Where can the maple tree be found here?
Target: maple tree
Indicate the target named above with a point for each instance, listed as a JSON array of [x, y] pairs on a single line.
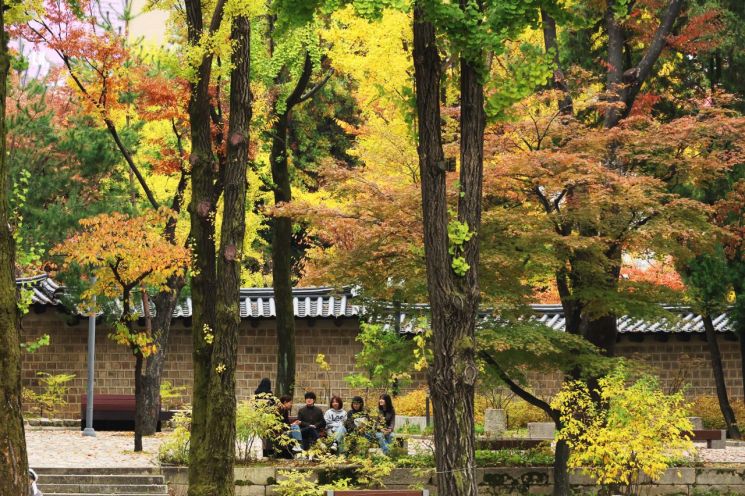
[[120, 89], [123, 254], [13, 457]]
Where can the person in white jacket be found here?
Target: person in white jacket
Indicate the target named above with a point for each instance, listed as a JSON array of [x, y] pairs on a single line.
[[33, 490], [335, 417]]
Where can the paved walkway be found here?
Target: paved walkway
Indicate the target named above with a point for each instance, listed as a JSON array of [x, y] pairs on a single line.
[[69, 448]]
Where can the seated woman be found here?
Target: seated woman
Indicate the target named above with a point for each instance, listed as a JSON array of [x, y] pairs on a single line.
[[356, 419], [335, 417], [284, 409], [387, 422]]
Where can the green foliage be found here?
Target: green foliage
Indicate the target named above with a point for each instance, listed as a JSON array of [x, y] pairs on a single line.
[[525, 72], [521, 343], [175, 448], [632, 430], [296, 483], [256, 419], [708, 280], [171, 396], [386, 357], [458, 235], [33, 346], [52, 396]]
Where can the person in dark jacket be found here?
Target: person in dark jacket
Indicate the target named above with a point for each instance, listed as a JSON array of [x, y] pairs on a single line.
[[387, 422], [356, 415], [264, 389], [311, 420], [293, 428]]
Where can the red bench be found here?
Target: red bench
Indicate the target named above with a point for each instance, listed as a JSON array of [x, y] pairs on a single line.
[[113, 412], [715, 438]]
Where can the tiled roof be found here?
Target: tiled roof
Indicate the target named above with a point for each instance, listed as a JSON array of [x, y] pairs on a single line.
[[686, 321], [317, 302], [43, 287], [327, 302]]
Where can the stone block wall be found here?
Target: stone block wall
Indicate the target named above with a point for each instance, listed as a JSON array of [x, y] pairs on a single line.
[[257, 350], [677, 360]]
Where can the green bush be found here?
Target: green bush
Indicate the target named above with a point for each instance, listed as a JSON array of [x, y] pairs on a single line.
[[175, 448], [536, 457], [52, 397]]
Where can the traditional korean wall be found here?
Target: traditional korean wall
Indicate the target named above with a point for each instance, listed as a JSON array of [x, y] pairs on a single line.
[[677, 360]]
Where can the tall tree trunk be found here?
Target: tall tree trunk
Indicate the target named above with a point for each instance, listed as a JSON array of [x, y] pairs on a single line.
[[13, 460], [139, 404], [282, 261], [202, 209], [216, 313], [282, 227], [220, 438], [733, 432], [453, 298]]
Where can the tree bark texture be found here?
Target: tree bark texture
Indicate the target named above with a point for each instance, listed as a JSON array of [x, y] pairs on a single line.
[[13, 460], [220, 436], [202, 209], [733, 432], [453, 298], [165, 303]]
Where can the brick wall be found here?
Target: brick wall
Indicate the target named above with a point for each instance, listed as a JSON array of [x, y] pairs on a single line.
[[257, 351], [675, 361]]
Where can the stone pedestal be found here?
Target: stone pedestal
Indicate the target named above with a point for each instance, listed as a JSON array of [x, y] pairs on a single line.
[[698, 423], [541, 430], [495, 422]]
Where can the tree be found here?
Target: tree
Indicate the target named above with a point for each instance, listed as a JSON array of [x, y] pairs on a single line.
[[216, 281], [300, 64], [93, 56], [13, 459], [125, 254]]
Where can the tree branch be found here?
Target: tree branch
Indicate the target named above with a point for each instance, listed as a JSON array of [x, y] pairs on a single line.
[[301, 84], [317, 87], [519, 391]]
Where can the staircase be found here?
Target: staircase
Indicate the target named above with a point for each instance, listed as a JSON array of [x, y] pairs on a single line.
[[119, 481]]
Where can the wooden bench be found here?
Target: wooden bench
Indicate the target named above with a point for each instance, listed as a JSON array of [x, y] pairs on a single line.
[[715, 438], [113, 412], [378, 492]]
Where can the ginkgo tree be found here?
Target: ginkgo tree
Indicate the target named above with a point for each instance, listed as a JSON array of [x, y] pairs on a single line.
[[123, 255]]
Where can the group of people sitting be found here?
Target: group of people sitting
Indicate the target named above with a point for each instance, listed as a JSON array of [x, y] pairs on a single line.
[[336, 423]]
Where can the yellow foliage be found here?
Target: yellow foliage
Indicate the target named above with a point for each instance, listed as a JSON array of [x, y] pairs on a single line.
[[707, 407], [412, 403], [635, 430]]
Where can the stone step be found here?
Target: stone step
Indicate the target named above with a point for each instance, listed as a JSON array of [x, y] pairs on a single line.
[[98, 470], [96, 494], [107, 479], [159, 489]]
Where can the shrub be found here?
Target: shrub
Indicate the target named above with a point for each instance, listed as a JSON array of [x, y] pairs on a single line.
[[175, 448], [171, 397], [707, 407], [52, 397], [633, 430], [295, 483], [412, 403], [519, 413], [257, 419]]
